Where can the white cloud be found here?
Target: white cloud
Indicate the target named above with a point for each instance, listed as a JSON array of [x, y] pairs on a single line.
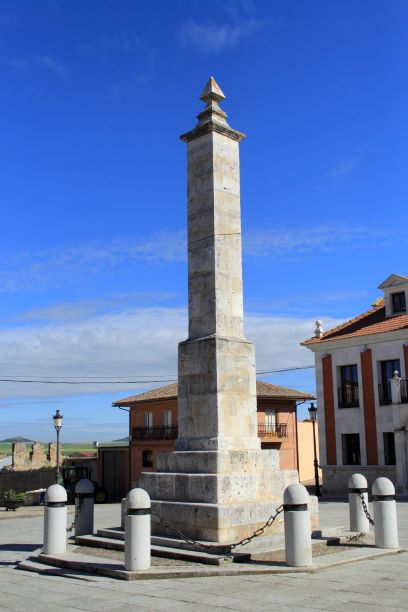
[[38, 270], [294, 241], [137, 343], [21, 64], [215, 37], [82, 309], [142, 342], [27, 270], [345, 167], [307, 303], [52, 64]]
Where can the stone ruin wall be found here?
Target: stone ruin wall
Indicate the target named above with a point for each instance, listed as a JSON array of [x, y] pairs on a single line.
[[34, 459]]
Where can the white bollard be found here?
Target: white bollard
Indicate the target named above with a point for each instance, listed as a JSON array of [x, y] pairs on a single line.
[[385, 514], [84, 507], [55, 520], [137, 530], [358, 521], [298, 537], [122, 513]]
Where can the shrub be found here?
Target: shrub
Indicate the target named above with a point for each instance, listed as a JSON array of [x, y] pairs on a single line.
[[11, 495]]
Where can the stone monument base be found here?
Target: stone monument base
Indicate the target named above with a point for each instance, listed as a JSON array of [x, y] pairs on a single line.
[[218, 496]]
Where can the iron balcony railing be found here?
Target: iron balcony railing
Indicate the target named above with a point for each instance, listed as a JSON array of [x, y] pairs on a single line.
[[273, 431], [404, 390], [348, 397], [155, 433], [384, 394], [170, 433]]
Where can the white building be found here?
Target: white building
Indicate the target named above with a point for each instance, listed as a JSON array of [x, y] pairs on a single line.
[[363, 412]]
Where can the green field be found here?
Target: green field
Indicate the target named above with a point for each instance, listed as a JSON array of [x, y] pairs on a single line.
[[67, 449], [77, 447]]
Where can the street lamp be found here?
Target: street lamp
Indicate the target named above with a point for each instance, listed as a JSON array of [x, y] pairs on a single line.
[[57, 418], [313, 415]]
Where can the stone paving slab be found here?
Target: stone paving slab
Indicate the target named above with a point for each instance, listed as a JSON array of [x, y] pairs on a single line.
[[113, 568], [376, 584]]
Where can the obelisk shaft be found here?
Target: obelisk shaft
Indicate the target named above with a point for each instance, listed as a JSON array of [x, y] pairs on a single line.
[[214, 238], [217, 394]]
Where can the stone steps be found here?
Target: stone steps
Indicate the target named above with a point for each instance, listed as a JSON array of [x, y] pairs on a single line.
[[271, 542], [32, 565], [162, 550], [166, 541]]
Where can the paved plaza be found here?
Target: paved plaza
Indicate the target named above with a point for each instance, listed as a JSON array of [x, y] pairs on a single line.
[[367, 585]]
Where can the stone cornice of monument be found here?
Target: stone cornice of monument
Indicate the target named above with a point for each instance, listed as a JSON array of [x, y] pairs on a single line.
[[212, 118]]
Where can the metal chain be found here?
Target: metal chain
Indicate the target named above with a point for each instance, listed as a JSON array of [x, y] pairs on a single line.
[[366, 512], [223, 549], [355, 537], [77, 511]]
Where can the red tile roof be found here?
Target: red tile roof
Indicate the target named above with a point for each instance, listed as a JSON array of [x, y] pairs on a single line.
[[263, 390], [371, 322]]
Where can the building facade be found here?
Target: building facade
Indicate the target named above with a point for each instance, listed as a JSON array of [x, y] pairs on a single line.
[[355, 365], [154, 425]]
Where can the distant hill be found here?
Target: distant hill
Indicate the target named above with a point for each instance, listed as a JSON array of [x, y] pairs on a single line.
[[16, 439]]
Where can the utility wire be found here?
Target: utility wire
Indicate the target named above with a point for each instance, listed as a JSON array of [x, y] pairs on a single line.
[[53, 380], [85, 382]]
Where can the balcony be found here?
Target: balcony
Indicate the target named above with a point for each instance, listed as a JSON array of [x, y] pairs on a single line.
[[154, 433], [384, 394], [348, 397], [404, 390], [273, 431]]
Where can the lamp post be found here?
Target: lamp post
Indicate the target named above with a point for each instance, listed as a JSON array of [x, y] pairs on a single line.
[[57, 418], [312, 415]]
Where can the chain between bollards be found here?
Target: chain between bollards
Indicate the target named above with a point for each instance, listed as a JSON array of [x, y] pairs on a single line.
[[77, 510], [225, 550], [366, 511], [355, 537]]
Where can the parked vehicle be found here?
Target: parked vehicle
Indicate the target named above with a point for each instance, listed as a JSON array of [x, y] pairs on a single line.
[[70, 476]]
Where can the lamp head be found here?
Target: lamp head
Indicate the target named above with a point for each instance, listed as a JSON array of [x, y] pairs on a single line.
[[312, 411], [57, 418]]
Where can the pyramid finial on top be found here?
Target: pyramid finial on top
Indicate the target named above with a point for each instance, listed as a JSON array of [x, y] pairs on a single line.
[[212, 118], [212, 92]]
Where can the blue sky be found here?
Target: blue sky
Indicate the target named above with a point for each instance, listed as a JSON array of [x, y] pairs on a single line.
[[93, 99]]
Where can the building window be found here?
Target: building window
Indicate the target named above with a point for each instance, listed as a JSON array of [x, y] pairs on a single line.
[[166, 418], [387, 372], [148, 419], [270, 420], [389, 448], [351, 449], [398, 302], [147, 458], [348, 390]]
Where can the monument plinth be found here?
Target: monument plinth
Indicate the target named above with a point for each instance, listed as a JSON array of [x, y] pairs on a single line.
[[218, 485]]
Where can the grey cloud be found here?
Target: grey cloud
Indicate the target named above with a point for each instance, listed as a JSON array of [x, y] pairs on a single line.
[[139, 343]]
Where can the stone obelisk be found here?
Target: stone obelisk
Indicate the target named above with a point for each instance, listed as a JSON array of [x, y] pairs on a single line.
[[216, 378], [218, 485]]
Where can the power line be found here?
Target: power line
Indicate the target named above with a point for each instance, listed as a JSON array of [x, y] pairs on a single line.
[[54, 380], [84, 382], [285, 370]]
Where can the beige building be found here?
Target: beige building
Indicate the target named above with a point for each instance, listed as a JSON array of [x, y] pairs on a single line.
[[306, 454]]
